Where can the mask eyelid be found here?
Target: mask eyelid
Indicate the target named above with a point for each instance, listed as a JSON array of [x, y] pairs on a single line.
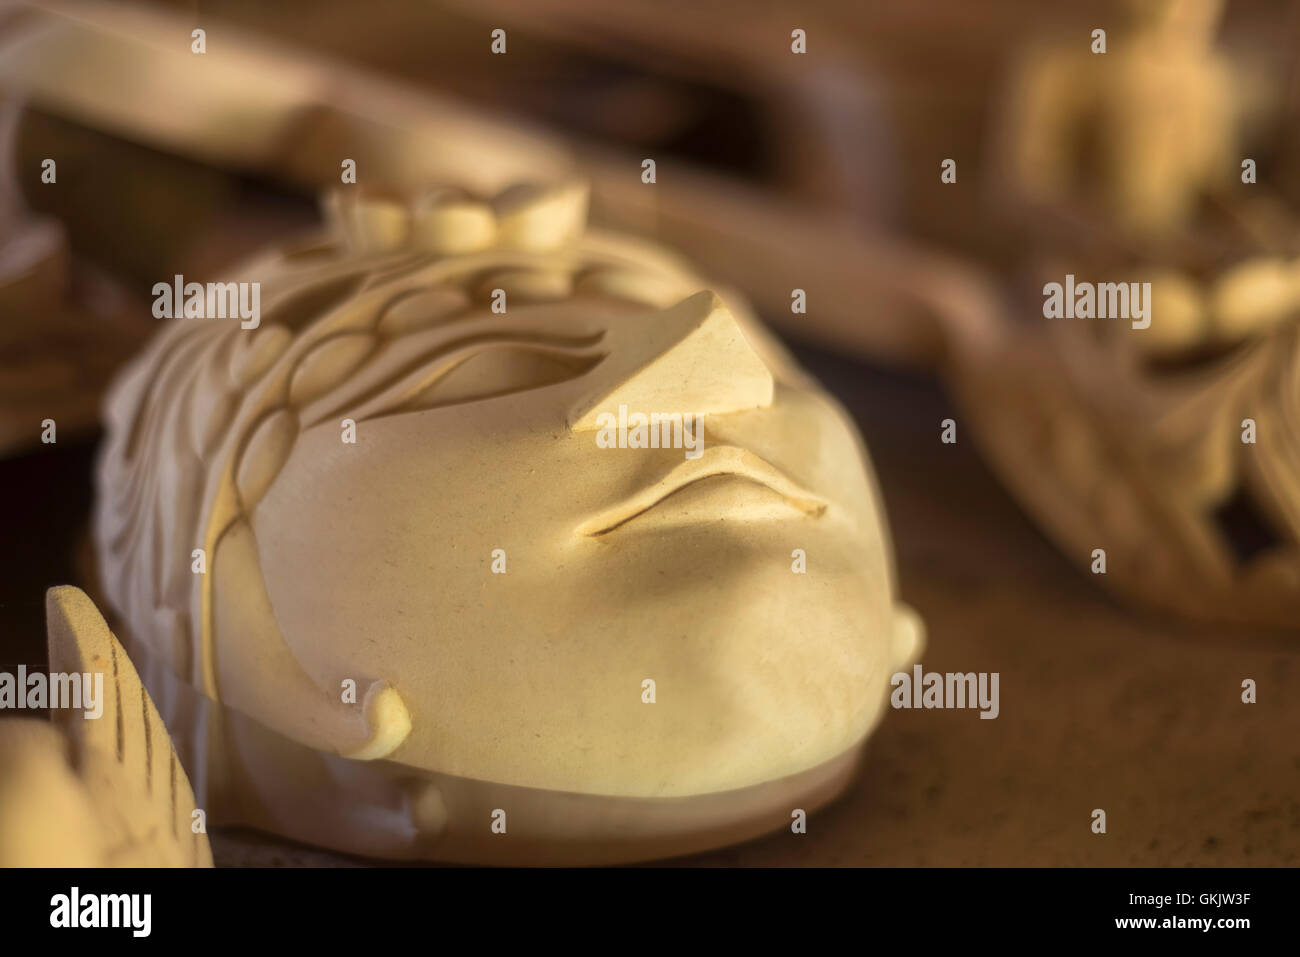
[[521, 367], [395, 382]]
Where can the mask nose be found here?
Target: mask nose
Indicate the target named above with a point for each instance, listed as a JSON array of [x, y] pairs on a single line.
[[691, 358]]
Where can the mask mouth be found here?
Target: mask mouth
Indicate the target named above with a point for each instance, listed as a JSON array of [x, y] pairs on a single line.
[[718, 460]]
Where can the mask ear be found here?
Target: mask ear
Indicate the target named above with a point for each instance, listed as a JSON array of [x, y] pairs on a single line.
[[690, 358], [908, 638]]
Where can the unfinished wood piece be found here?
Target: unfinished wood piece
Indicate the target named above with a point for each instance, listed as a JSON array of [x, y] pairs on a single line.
[[63, 330], [1188, 479], [1137, 131], [300, 116], [1170, 448], [95, 790]]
